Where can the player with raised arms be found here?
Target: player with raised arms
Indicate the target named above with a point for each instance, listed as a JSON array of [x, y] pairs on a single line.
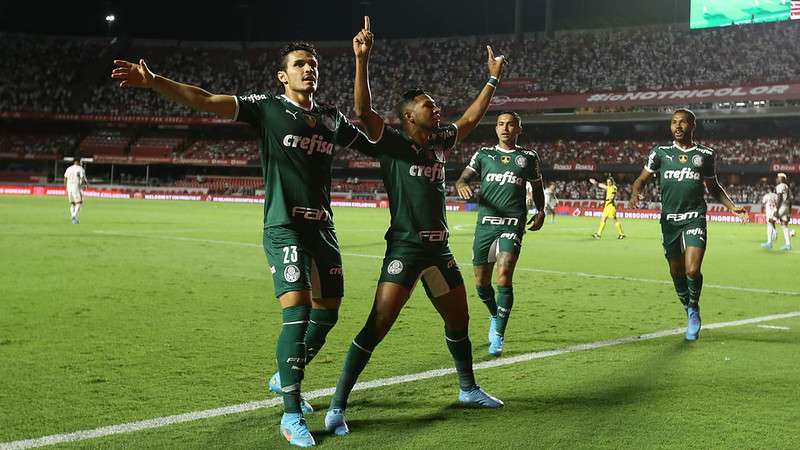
[[413, 167], [297, 141], [505, 171], [685, 170]]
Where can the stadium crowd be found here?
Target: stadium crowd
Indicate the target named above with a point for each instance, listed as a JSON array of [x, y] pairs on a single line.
[[577, 61]]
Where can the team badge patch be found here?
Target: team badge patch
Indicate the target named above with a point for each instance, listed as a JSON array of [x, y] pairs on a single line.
[[683, 159], [505, 159], [395, 267], [697, 161], [521, 161], [291, 273], [311, 121]]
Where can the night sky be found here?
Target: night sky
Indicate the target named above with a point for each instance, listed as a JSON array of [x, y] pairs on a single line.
[[269, 20]]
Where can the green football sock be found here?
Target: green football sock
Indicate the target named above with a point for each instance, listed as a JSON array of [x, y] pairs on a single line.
[[357, 358], [461, 349], [505, 300], [320, 322], [486, 294], [682, 289], [695, 288], [291, 355]]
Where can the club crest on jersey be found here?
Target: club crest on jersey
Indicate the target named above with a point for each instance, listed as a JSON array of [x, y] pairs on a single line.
[[310, 120], [291, 273], [683, 159], [395, 267], [505, 159], [521, 161], [697, 161]]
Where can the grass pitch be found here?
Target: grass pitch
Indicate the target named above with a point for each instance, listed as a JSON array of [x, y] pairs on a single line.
[[150, 309]]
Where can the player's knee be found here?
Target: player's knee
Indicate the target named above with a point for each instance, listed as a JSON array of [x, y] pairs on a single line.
[[693, 271]]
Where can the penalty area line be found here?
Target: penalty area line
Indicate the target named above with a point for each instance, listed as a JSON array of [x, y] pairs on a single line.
[[381, 382]]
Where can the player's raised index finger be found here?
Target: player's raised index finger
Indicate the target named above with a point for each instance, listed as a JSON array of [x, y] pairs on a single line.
[[122, 63], [366, 23]]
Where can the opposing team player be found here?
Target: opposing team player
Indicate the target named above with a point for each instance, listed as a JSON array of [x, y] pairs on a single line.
[[74, 180], [550, 200], [413, 167], [609, 207], [784, 213], [770, 203], [685, 168], [504, 171], [297, 138]]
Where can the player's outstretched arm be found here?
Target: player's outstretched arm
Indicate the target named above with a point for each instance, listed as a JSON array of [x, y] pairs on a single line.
[[717, 191], [473, 115], [600, 185], [537, 221], [638, 184], [139, 75], [462, 184], [371, 120]]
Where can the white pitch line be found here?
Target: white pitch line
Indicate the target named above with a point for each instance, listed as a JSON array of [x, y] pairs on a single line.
[[526, 269], [381, 382], [773, 327]]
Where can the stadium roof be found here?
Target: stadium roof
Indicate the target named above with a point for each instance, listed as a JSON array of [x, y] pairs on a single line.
[[252, 20]]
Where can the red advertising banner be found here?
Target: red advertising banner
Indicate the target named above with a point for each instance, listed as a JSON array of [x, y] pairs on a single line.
[[715, 94], [778, 167], [108, 159], [118, 119], [365, 164], [591, 167]]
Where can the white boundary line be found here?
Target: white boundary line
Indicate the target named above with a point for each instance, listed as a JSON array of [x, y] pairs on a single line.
[[381, 382], [525, 269], [773, 327]]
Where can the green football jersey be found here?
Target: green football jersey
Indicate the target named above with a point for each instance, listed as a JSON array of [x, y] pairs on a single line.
[[414, 180], [681, 174], [296, 147], [504, 174]]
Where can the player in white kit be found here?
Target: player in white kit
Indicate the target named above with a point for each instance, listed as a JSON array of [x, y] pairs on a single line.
[[784, 209], [770, 202], [550, 201], [74, 179]]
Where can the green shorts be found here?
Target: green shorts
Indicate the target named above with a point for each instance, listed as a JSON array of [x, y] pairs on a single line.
[[406, 264], [303, 258], [676, 237], [491, 240]]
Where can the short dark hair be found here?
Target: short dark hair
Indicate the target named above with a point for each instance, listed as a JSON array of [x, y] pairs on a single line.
[[688, 112], [293, 47], [407, 98], [512, 114]]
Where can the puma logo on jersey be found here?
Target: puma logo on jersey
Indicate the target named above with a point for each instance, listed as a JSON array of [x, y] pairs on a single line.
[[310, 213], [677, 217], [505, 177], [492, 220], [433, 173], [680, 175], [315, 143], [293, 114], [668, 156]]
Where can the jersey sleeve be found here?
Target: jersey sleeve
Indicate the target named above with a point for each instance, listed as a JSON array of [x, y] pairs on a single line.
[[249, 108], [475, 162], [444, 138], [709, 169], [348, 135], [534, 168], [653, 161]]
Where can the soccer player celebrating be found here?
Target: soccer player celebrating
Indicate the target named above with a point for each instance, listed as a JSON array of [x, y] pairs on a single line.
[[770, 202], [413, 167], [297, 141], [504, 171], [609, 207], [784, 212], [684, 168], [74, 180]]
